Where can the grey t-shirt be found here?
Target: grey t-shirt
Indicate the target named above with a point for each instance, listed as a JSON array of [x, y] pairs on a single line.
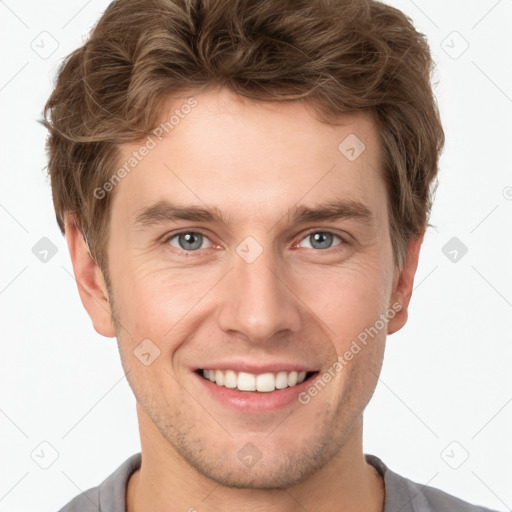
[[402, 495]]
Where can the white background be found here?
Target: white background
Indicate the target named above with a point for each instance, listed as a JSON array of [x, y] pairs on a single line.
[[446, 380]]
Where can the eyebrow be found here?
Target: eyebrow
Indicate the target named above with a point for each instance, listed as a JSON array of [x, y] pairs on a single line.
[[164, 211], [333, 210]]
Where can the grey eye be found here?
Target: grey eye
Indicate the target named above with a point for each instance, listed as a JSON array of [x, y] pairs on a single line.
[[321, 239], [188, 241]]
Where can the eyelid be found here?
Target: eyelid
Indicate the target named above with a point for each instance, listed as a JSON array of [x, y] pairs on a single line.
[[167, 237], [343, 240], [316, 230], [172, 234]]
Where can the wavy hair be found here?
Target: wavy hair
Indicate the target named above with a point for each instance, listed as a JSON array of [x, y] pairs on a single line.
[[337, 55]]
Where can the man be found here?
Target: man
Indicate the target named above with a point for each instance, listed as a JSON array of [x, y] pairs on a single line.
[[244, 189]]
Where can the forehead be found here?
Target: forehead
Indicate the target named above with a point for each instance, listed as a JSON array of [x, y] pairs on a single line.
[[246, 157]]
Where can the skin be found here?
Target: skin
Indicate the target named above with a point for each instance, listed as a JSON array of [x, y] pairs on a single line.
[[254, 161]]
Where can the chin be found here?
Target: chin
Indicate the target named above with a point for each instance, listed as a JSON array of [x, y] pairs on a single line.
[[272, 475], [274, 467]]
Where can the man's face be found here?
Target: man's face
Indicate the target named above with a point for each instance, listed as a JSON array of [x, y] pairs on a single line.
[[262, 291]]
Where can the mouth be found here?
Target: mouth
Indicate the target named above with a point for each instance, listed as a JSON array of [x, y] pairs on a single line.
[[256, 383]]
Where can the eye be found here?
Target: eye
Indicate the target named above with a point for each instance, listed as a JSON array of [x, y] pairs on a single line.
[[192, 241], [189, 241], [321, 240]]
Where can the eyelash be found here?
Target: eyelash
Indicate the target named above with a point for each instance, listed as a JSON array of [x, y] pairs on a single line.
[[196, 252]]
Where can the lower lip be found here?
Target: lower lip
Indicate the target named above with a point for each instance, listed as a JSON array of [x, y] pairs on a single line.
[[256, 401]]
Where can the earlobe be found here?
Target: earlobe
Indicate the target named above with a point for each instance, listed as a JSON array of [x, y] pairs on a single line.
[[90, 281], [403, 285]]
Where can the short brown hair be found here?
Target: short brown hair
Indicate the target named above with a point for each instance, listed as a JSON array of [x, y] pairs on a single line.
[[338, 55]]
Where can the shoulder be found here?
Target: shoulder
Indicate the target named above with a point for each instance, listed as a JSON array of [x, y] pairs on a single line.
[[110, 494], [435, 499], [408, 496], [87, 501]]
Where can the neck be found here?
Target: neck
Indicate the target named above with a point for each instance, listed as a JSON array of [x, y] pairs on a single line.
[[165, 481]]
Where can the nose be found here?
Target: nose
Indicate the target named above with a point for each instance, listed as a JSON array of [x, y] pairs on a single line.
[[258, 302]]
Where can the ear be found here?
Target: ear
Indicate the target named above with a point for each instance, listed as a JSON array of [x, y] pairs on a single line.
[[89, 278], [403, 284]]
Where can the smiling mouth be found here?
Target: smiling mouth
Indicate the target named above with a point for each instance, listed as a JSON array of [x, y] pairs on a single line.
[[264, 382]]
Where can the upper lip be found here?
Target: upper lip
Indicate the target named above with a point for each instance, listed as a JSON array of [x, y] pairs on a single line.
[[258, 368]]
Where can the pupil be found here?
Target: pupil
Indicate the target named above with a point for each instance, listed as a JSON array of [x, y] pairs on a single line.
[[193, 240], [189, 240], [323, 239]]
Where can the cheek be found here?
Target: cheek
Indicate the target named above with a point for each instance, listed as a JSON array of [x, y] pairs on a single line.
[[361, 368], [156, 301], [162, 304], [165, 305], [347, 299]]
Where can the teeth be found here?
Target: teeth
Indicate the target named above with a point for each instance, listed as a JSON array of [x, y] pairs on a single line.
[[219, 377], [282, 380], [230, 379], [246, 382], [264, 383]]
